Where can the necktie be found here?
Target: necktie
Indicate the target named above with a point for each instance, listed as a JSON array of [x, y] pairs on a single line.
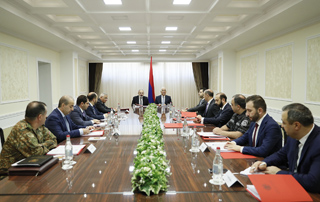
[[140, 101], [296, 154], [205, 112], [163, 100], [94, 110], [254, 135], [67, 124]]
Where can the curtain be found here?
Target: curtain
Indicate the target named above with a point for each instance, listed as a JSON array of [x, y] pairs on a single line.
[[121, 81], [200, 73], [95, 73]]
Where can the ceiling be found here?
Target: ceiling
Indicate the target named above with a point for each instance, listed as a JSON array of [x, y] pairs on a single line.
[[204, 27]]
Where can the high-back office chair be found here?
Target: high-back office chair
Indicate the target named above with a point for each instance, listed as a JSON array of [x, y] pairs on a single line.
[[284, 136], [1, 138]]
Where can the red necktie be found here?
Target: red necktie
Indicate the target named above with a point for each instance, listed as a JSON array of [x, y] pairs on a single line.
[[254, 135]]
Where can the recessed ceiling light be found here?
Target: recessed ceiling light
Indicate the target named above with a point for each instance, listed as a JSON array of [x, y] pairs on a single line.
[[181, 2], [113, 2], [125, 28], [171, 28], [165, 42], [135, 50], [131, 42], [162, 50]]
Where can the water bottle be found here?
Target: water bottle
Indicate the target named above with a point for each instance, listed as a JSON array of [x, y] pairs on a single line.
[[68, 150], [185, 126], [194, 140], [118, 108], [217, 170], [116, 120], [179, 117]]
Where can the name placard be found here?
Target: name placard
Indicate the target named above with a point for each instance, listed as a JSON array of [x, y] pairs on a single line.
[[203, 147], [91, 148], [230, 179]]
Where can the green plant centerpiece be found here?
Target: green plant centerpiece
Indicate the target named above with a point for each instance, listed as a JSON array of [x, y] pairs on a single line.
[[151, 168]]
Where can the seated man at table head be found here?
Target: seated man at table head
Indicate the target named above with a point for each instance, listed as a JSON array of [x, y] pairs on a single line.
[[239, 122], [140, 100], [60, 123], [211, 109], [264, 136], [92, 110], [28, 137], [224, 114], [78, 114], [100, 105], [201, 107], [163, 99], [301, 154]]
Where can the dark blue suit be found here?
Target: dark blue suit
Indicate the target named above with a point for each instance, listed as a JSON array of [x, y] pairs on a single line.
[[56, 124], [308, 170], [79, 118], [167, 99], [94, 113], [221, 118], [268, 140]]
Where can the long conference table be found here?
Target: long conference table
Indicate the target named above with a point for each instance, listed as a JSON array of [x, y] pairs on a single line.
[[105, 175]]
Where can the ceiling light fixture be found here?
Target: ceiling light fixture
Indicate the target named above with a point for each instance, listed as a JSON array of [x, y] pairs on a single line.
[[125, 28], [165, 42], [171, 28], [181, 2], [162, 50], [131, 42], [113, 2], [135, 50]]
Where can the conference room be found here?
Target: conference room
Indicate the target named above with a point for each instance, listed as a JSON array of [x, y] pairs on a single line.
[[53, 48]]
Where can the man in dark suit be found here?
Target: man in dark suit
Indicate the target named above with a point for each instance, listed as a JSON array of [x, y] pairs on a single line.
[[79, 116], [100, 105], [140, 100], [211, 109], [163, 99], [61, 125], [224, 114], [201, 107], [92, 110], [264, 135], [301, 154]]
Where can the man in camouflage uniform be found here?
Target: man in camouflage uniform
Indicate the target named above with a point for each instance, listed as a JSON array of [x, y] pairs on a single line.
[[28, 137], [239, 122]]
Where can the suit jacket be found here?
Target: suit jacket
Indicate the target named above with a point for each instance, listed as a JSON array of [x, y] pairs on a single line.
[[167, 99], [268, 141], [200, 108], [135, 100], [94, 113], [102, 107], [212, 110], [221, 118], [308, 172], [56, 124], [79, 118]]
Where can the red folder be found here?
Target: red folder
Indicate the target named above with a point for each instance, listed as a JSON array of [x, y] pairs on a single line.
[[182, 119], [173, 125], [195, 124], [236, 155], [188, 114], [279, 188]]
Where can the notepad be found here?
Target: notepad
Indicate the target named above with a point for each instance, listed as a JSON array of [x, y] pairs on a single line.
[[95, 133], [60, 150], [277, 188], [214, 146], [247, 172], [96, 138]]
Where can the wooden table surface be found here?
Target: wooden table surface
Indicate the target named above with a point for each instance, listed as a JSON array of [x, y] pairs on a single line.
[[106, 175]]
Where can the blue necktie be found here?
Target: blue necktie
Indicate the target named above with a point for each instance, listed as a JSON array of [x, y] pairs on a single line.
[[67, 124], [205, 113]]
